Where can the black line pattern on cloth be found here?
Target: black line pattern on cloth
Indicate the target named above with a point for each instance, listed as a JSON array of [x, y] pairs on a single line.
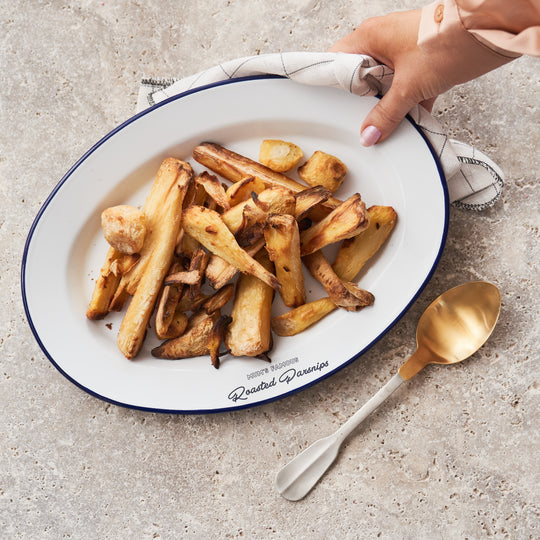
[[466, 180], [241, 65], [223, 69], [443, 146], [370, 85], [437, 133], [194, 81], [283, 64], [355, 71], [310, 66], [497, 186]]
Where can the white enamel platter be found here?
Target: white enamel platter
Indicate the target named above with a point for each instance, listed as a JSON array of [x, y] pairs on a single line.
[[65, 247]]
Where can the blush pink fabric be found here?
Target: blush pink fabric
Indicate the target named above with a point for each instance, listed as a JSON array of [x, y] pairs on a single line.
[[502, 29]]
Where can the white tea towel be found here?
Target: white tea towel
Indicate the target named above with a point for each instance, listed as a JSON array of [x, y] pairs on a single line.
[[474, 181]]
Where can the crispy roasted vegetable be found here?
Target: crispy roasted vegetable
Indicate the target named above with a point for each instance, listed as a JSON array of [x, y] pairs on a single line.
[[187, 303], [105, 287], [274, 200], [176, 328], [168, 300], [280, 156], [217, 337], [249, 332], [209, 229], [355, 252], [193, 342], [208, 303], [133, 327], [216, 301], [352, 256], [344, 294], [323, 169], [241, 191], [197, 264], [185, 277], [124, 264], [164, 184], [214, 189], [308, 199], [345, 221], [236, 167], [124, 228], [283, 246], [213, 232], [297, 320], [219, 271]]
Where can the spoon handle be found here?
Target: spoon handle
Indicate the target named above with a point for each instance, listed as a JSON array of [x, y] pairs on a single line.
[[296, 479], [373, 403]]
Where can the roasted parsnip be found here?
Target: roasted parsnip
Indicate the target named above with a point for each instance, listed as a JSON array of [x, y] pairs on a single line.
[[105, 287], [208, 228], [168, 300], [249, 332], [345, 221], [298, 319], [214, 189], [124, 228], [165, 183], [355, 252], [219, 271], [280, 156], [323, 169], [216, 338], [308, 199], [133, 327], [241, 191], [274, 200], [235, 167], [283, 247], [193, 342], [344, 294]]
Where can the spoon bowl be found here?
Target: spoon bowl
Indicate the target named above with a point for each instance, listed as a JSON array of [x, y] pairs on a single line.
[[452, 328]]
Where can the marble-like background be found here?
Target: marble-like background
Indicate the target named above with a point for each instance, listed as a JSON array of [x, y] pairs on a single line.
[[453, 455]]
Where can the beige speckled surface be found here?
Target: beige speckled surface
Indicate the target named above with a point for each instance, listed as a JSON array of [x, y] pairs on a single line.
[[453, 455]]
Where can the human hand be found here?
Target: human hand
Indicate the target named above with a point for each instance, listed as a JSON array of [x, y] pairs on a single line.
[[420, 75]]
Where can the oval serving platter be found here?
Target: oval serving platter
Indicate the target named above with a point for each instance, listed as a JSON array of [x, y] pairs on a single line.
[[65, 247]]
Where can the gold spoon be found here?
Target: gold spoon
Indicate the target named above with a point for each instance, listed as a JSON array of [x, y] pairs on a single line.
[[451, 329]]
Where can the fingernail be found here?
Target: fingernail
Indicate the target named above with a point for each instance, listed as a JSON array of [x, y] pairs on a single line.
[[370, 136]]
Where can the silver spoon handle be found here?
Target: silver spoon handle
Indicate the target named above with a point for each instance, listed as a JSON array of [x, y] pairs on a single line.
[[297, 478], [359, 416]]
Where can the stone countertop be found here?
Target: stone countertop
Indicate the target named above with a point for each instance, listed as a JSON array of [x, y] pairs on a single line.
[[453, 455]]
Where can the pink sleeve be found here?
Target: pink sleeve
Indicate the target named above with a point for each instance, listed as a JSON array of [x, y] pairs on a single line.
[[508, 28]]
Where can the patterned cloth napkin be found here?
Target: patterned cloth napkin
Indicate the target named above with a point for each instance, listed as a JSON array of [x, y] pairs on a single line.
[[474, 181]]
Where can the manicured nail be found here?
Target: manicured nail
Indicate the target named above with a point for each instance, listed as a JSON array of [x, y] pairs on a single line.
[[370, 136]]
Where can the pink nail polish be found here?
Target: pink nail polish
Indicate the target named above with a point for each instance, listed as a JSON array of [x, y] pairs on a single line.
[[370, 136]]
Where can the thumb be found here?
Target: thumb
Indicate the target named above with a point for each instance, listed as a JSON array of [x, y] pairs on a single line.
[[384, 118]]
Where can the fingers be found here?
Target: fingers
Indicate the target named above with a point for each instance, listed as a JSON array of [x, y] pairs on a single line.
[[347, 44], [366, 39], [391, 40], [383, 119]]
